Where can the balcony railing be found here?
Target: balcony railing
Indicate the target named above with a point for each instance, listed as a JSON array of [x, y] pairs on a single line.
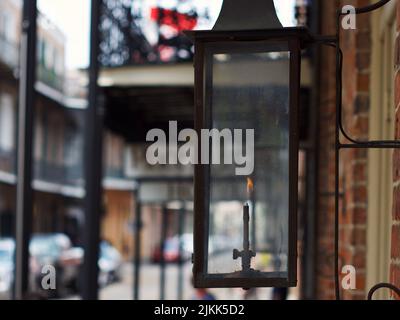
[[9, 52], [7, 161], [116, 173], [44, 171], [60, 174], [50, 78]]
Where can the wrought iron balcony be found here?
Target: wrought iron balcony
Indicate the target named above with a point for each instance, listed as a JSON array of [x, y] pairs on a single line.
[[60, 174], [112, 172], [50, 78], [7, 160]]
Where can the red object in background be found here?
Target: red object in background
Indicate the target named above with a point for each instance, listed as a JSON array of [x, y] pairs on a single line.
[[171, 252], [174, 19], [166, 53]]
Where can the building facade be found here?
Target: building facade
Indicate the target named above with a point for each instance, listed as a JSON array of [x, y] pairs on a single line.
[[58, 177]]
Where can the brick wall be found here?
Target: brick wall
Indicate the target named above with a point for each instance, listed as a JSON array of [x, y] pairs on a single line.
[[356, 45], [356, 100], [357, 51], [326, 183], [395, 261]]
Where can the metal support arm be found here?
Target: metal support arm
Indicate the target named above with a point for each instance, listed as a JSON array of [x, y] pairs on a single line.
[[372, 7]]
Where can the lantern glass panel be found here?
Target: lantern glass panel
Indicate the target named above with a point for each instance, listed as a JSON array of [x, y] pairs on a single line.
[[249, 88]]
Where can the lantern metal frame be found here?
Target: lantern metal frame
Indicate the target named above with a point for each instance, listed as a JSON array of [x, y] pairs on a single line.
[[208, 43], [304, 38]]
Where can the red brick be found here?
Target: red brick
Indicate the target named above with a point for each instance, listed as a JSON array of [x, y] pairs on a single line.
[[395, 278], [361, 281], [396, 242], [396, 203], [396, 165], [363, 82], [364, 40], [397, 92], [397, 52], [362, 103], [363, 22], [363, 60], [398, 16], [359, 171]]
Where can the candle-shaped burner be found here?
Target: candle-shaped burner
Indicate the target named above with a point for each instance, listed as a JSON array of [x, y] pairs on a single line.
[[246, 254]]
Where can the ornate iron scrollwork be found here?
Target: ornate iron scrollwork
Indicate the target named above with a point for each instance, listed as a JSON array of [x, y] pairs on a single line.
[[121, 38], [383, 286], [134, 32]]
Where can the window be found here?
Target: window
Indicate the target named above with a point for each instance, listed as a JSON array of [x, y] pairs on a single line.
[[40, 51], [7, 123], [3, 22], [7, 26], [59, 63], [48, 56]]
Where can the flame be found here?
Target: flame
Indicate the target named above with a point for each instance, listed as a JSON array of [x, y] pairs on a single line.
[[250, 185]]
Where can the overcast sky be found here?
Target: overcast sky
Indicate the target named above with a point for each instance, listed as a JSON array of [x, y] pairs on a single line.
[[72, 17]]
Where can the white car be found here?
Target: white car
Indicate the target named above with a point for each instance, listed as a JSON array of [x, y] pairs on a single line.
[[7, 247]]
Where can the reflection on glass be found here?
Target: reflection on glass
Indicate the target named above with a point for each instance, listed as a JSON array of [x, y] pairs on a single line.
[[248, 227]]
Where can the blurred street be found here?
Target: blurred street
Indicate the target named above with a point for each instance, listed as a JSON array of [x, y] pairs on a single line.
[[150, 286]]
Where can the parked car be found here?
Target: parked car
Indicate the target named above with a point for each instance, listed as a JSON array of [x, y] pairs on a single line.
[[49, 249], [7, 247], [56, 250], [187, 246], [175, 249], [110, 264], [219, 244]]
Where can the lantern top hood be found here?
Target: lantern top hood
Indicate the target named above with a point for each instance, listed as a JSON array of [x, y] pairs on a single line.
[[249, 20], [242, 15]]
